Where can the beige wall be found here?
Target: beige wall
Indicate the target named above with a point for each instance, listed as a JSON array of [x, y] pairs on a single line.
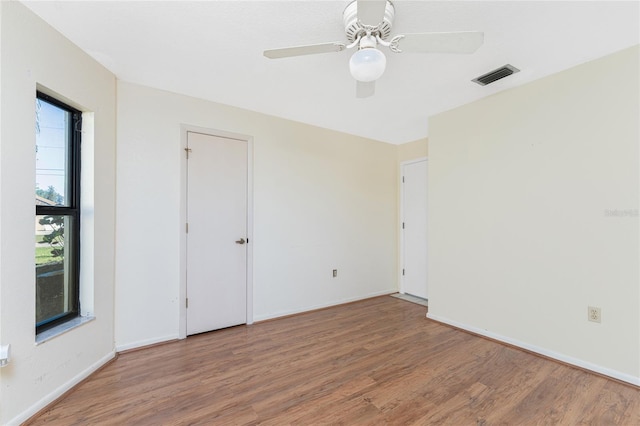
[[533, 215], [32, 54], [323, 200], [413, 150]]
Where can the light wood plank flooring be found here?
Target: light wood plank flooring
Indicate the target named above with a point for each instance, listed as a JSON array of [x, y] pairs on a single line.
[[378, 361]]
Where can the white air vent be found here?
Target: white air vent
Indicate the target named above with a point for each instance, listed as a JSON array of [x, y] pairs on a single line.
[[495, 75]]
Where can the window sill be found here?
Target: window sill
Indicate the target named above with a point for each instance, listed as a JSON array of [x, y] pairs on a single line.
[[62, 328]]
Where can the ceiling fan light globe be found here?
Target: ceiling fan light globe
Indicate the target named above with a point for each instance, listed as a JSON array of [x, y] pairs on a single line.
[[367, 64]]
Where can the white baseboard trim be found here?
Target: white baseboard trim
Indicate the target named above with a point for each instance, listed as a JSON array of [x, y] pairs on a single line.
[[58, 392], [542, 351], [279, 314], [145, 342]]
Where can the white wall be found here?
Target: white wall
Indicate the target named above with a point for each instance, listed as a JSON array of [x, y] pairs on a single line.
[[521, 189], [33, 53], [323, 200]]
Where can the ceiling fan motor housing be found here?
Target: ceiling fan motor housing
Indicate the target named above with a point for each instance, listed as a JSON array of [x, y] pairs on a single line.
[[354, 29]]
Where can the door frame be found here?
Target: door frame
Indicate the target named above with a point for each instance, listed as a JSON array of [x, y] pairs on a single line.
[[401, 250], [182, 294]]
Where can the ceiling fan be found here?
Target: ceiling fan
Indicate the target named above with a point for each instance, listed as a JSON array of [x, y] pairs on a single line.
[[368, 25]]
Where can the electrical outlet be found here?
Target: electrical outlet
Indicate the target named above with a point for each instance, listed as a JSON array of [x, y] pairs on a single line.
[[335, 273], [594, 314]]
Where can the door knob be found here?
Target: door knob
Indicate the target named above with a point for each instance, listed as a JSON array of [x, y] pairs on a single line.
[[241, 241]]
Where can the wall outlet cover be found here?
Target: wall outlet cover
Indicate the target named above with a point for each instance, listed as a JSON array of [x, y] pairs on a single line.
[[594, 314]]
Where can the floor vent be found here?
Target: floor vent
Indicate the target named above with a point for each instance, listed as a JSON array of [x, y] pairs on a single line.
[[495, 75]]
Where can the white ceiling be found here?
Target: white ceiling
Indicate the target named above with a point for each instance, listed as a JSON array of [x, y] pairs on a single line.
[[213, 50]]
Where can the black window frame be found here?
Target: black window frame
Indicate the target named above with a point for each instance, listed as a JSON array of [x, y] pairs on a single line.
[[72, 210]]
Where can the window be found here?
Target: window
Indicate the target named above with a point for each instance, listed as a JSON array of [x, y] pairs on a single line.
[[57, 223]]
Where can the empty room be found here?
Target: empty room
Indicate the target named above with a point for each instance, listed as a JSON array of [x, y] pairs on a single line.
[[319, 212]]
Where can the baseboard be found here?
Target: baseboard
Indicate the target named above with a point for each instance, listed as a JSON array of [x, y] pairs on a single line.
[[145, 342], [280, 314], [623, 377], [60, 391]]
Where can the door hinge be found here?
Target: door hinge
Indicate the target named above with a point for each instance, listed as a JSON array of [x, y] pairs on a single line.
[[187, 227], [187, 150], [402, 225], [403, 272], [187, 302]]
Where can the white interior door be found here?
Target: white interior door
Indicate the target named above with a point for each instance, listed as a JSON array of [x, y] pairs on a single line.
[[414, 212], [217, 232]]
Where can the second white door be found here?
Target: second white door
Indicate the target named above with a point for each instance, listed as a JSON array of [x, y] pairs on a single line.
[[414, 212], [217, 232]]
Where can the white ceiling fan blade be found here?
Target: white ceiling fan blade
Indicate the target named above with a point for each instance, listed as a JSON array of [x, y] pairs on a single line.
[[310, 49], [365, 90], [455, 42], [371, 12]]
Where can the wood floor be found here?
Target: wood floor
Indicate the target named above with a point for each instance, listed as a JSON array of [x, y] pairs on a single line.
[[378, 361]]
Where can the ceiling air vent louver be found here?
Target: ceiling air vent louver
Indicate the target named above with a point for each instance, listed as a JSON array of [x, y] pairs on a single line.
[[495, 75]]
